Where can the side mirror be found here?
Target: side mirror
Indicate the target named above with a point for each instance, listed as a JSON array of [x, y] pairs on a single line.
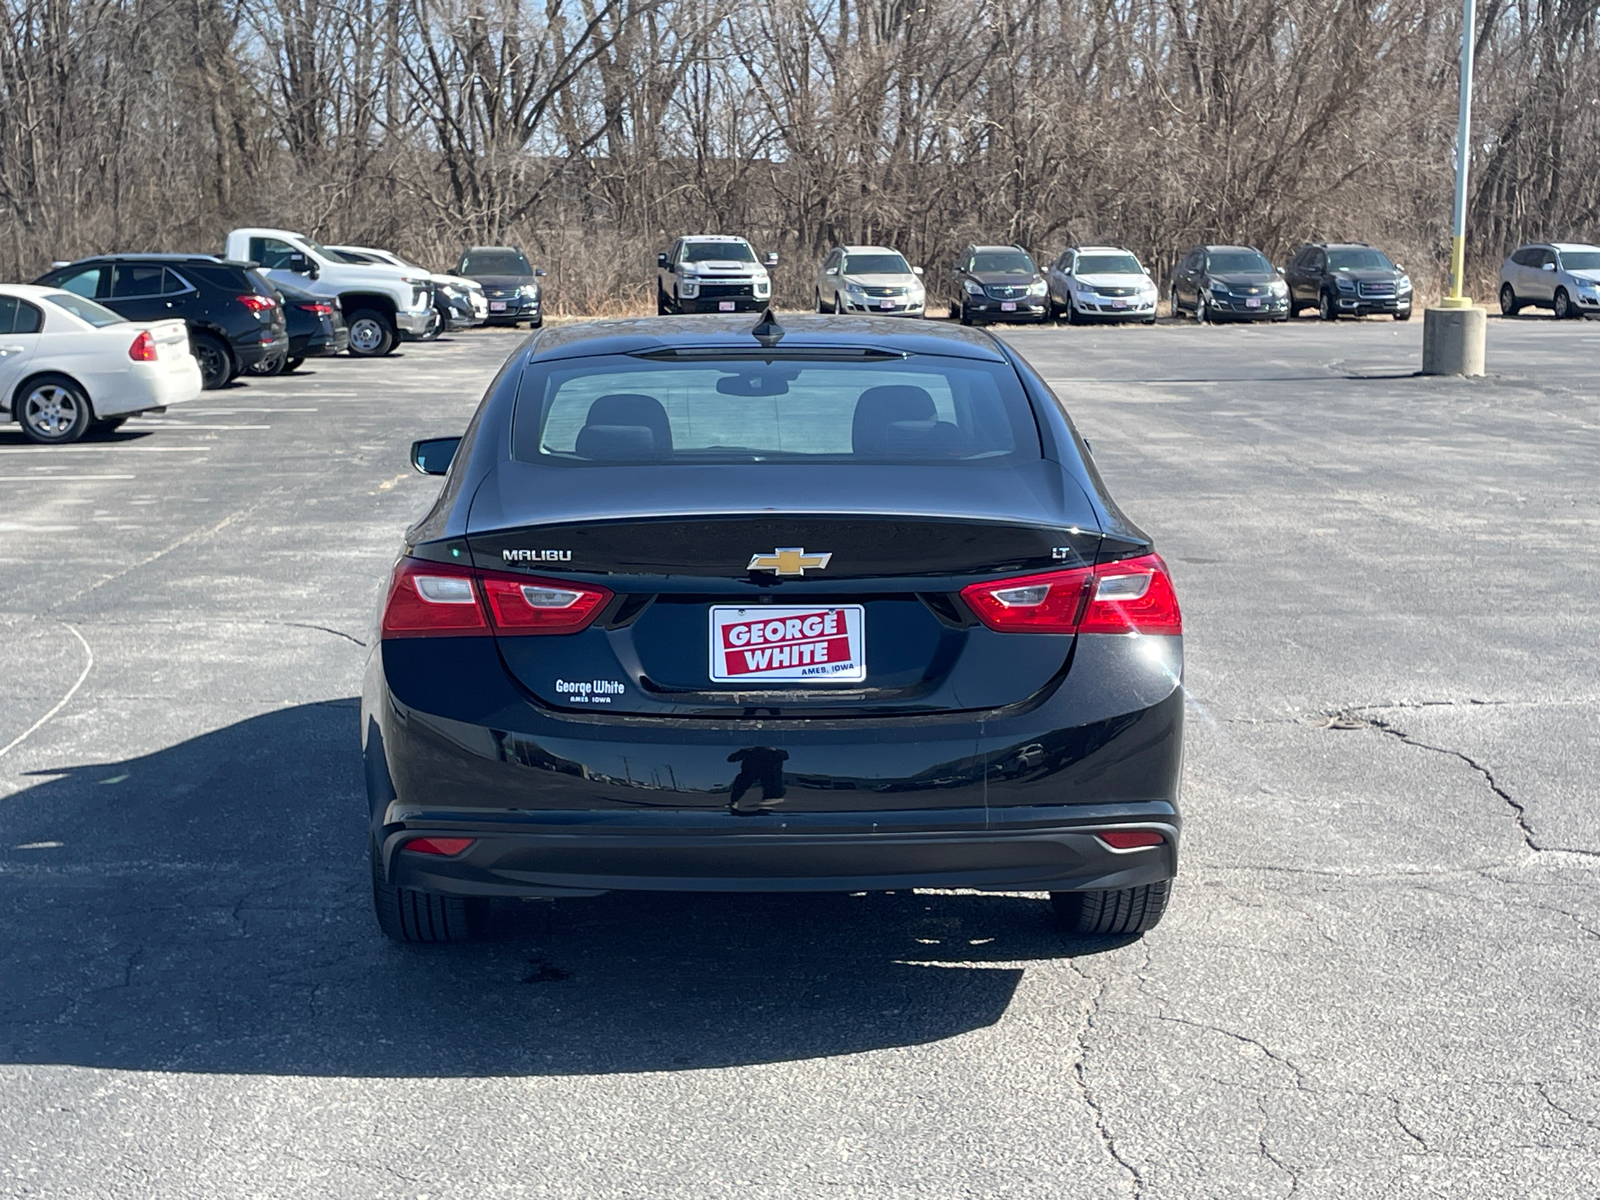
[[1549, 266], [916, 270], [661, 260], [771, 260], [833, 270], [538, 272], [301, 265], [433, 456]]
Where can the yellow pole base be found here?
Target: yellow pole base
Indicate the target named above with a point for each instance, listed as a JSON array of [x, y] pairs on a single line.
[[1455, 302]]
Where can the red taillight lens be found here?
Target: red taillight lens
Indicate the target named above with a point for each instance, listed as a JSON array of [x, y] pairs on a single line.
[[1131, 596], [143, 348], [258, 304], [521, 605], [1131, 839], [322, 310], [427, 599], [438, 845]]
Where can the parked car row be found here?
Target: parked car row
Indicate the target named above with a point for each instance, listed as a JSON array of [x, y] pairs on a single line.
[[1211, 283], [271, 300]]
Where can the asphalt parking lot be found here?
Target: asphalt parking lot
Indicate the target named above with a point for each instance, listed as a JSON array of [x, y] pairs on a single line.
[[1379, 978]]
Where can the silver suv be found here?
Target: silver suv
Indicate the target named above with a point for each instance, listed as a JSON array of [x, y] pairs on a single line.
[[1561, 276], [709, 273], [869, 279]]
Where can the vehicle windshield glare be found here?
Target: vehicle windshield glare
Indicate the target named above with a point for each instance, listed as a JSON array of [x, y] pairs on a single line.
[[718, 252], [84, 309], [793, 409], [496, 262], [875, 264], [1107, 264], [1359, 260], [1002, 262], [1243, 262], [1581, 260]]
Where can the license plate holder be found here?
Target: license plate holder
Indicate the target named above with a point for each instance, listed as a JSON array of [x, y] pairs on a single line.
[[886, 304], [1253, 302], [726, 306], [497, 306], [1008, 306], [790, 644]]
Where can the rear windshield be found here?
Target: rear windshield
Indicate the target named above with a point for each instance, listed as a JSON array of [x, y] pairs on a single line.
[[1107, 264], [718, 252], [922, 409], [1359, 260], [875, 264], [495, 262], [1241, 261], [84, 309], [1581, 260]]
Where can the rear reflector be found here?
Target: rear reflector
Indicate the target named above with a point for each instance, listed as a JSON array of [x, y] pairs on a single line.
[[1131, 596], [1131, 839], [439, 845], [143, 348], [427, 599]]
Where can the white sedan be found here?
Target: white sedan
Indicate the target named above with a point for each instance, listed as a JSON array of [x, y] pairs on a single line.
[[69, 365]]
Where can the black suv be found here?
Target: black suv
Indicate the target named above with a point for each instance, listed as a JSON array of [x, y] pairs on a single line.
[[510, 283], [235, 320], [1347, 279], [997, 283], [1229, 283]]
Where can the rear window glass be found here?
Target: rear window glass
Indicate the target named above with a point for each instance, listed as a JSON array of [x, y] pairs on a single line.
[[84, 309], [923, 409]]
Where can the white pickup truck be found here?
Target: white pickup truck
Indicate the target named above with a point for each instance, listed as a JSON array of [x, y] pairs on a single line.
[[382, 304]]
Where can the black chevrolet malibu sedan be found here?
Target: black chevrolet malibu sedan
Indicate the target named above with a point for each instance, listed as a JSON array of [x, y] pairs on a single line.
[[833, 606]]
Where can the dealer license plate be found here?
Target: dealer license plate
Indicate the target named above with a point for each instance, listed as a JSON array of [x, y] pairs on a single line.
[[1119, 304], [887, 304], [1253, 302], [773, 643], [725, 306], [497, 306], [1008, 306]]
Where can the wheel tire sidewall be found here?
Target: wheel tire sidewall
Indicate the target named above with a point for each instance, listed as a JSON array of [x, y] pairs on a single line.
[[216, 364], [1202, 311], [82, 420], [1325, 308], [367, 319], [1562, 305], [1508, 300]]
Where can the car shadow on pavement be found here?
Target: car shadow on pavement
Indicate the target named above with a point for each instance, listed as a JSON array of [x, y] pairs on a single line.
[[205, 908]]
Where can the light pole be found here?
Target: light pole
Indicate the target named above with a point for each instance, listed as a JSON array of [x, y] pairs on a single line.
[[1458, 225], [1455, 332]]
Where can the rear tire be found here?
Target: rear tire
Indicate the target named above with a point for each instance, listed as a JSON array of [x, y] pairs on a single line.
[[1124, 910], [53, 411], [1510, 306], [371, 335], [216, 364], [407, 915]]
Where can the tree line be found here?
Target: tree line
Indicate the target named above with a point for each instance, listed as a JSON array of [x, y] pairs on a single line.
[[593, 131]]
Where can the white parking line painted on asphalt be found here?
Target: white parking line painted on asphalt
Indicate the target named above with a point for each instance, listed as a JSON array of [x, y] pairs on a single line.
[[118, 447], [57, 478], [154, 425], [22, 527], [224, 412]]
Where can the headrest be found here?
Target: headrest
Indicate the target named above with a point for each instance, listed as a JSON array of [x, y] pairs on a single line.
[[879, 408], [621, 442], [633, 408]]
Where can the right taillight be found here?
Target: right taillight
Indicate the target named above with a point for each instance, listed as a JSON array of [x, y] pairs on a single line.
[[1134, 595], [435, 599]]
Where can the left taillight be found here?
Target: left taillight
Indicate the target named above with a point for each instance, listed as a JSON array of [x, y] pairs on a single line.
[[322, 310], [427, 599], [260, 305], [143, 348], [1134, 595]]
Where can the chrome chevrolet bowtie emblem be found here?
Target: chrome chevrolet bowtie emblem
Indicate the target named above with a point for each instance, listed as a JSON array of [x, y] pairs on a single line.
[[788, 560]]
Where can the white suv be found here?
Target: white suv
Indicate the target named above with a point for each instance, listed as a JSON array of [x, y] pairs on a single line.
[[708, 273], [869, 279], [1101, 283], [1561, 276]]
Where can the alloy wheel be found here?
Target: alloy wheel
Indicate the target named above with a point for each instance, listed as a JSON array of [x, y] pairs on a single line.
[[1508, 300], [52, 412], [1563, 305]]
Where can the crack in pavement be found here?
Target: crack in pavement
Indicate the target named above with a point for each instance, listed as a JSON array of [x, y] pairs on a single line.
[[1108, 1142], [1351, 718]]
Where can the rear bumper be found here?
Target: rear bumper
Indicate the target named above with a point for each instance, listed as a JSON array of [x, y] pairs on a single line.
[[998, 798], [1047, 848], [144, 386]]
